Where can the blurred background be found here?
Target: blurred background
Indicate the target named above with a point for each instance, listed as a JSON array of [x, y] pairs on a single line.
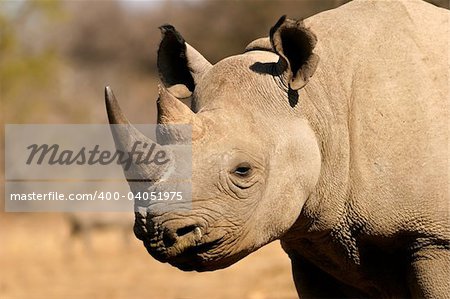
[[55, 59]]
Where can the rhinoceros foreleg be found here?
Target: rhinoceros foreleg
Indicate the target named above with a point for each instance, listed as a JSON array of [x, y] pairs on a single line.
[[312, 282], [430, 275]]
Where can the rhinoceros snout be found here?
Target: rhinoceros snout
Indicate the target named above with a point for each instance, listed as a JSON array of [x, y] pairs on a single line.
[[167, 239], [177, 239]]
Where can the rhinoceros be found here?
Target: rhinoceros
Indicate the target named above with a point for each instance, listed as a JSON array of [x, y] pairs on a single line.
[[330, 134]]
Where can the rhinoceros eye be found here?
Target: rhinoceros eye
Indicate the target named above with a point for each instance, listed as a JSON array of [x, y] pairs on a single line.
[[243, 170]]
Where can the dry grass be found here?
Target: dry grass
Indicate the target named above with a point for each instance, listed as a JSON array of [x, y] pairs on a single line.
[[38, 260]]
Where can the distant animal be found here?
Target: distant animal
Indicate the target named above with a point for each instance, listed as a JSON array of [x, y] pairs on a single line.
[[83, 225], [330, 135]]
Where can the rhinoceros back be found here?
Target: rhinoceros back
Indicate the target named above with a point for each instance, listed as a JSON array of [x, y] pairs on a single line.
[[389, 60]]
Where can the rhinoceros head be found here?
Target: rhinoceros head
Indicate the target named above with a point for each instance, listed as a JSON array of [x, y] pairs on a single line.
[[254, 160]]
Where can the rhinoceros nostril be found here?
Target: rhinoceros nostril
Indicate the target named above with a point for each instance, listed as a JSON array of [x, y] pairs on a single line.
[[169, 238], [181, 237], [186, 230]]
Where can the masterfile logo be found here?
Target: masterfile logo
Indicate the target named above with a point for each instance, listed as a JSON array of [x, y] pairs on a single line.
[[80, 168]]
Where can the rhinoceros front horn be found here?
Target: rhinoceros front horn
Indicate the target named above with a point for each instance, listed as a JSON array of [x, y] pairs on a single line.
[[128, 139]]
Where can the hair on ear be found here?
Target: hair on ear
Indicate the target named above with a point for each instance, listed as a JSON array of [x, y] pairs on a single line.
[[172, 60], [295, 43]]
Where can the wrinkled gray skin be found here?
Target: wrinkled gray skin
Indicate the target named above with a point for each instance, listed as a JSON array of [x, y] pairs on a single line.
[[338, 148]]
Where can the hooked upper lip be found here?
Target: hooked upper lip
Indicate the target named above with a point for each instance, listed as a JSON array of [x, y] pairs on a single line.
[[191, 258], [177, 245], [185, 256]]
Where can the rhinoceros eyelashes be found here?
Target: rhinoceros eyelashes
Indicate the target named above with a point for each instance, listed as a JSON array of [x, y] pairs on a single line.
[[243, 170]]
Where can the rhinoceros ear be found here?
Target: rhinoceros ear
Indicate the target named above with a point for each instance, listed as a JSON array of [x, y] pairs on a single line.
[[260, 44], [294, 43], [179, 64]]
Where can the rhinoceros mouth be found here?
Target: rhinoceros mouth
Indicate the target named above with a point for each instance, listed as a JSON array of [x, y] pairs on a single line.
[[189, 249], [189, 259], [195, 257], [190, 252]]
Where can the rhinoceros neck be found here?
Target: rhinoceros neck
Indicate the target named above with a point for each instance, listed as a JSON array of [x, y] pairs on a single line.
[[324, 218], [326, 102], [326, 108]]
